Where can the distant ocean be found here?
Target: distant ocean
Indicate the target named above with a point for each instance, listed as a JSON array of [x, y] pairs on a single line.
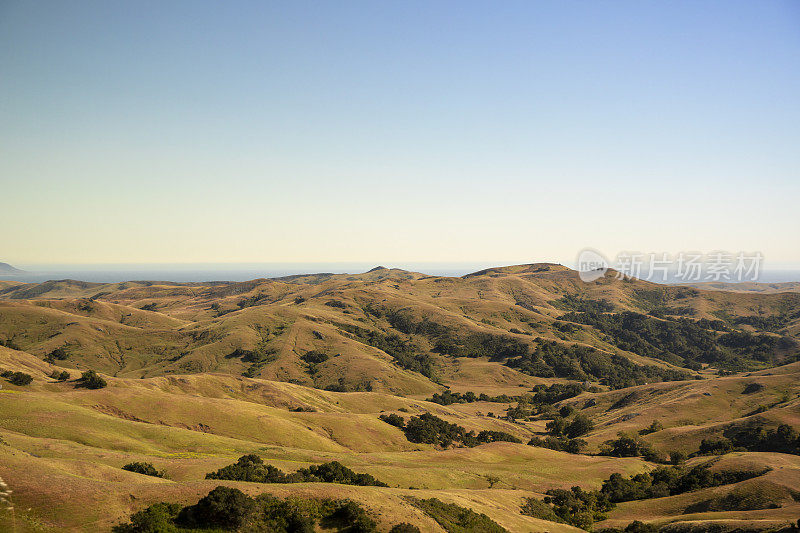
[[247, 271], [221, 272]]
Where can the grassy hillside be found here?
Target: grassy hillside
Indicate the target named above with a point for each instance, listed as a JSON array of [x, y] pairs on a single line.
[[299, 370]]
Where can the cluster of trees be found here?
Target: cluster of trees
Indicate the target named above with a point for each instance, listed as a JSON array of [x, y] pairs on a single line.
[[677, 341], [495, 347], [252, 468], [575, 302], [250, 301], [543, 394], [582, 508], [669, 481], [9, 343], [404, 353], [445, 339], [430, 429], [656, 302], [90, 380], [146, 469], [341, 385], [16, 378], [577, 507], [393, 420], [773, 323], [405, 322], [682, 341], [448, 398], [685, 343], [754, 437], [258, 357], [759, 348], [630, 446], [558, 443], [541, 401], [229, 509], [58, 354], [455, 518], [60, 375], [314, 358], [634, 527], [654, 427], [582, 363], [562, 427]]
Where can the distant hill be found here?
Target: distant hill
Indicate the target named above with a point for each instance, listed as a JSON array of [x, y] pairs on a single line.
[[403, 332], [747, 286], [7, 269]]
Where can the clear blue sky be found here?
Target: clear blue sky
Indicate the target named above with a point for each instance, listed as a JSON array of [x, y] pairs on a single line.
[[397, 131]]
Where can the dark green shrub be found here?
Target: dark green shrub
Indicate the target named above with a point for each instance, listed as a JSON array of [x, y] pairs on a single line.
[[252, 468], [578, 507], [566, 411], [556, 426], [539, 509], [448, 398], [580, 425], [626, 446], [715, 447], [404, 527], [456, 519], [353, 515], [223, 507], [60, 375], [677, 457], [652, 428], [59, 354], [91, 380], [20, 378], [146, 469], [755, 437], [558, 444], [641, 527], [249, 468], [336, 472], [430, 429], [228, 509], [8, 343], [752, 388], [314, 358], [394, 420], [158, 518], [669, 481]]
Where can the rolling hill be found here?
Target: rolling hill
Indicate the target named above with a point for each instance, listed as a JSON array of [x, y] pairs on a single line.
[[299, 370]]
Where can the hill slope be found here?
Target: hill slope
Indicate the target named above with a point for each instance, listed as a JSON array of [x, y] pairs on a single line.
[[298, 371]]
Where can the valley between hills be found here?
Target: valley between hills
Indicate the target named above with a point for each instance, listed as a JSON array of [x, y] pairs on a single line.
[[393, 400]]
